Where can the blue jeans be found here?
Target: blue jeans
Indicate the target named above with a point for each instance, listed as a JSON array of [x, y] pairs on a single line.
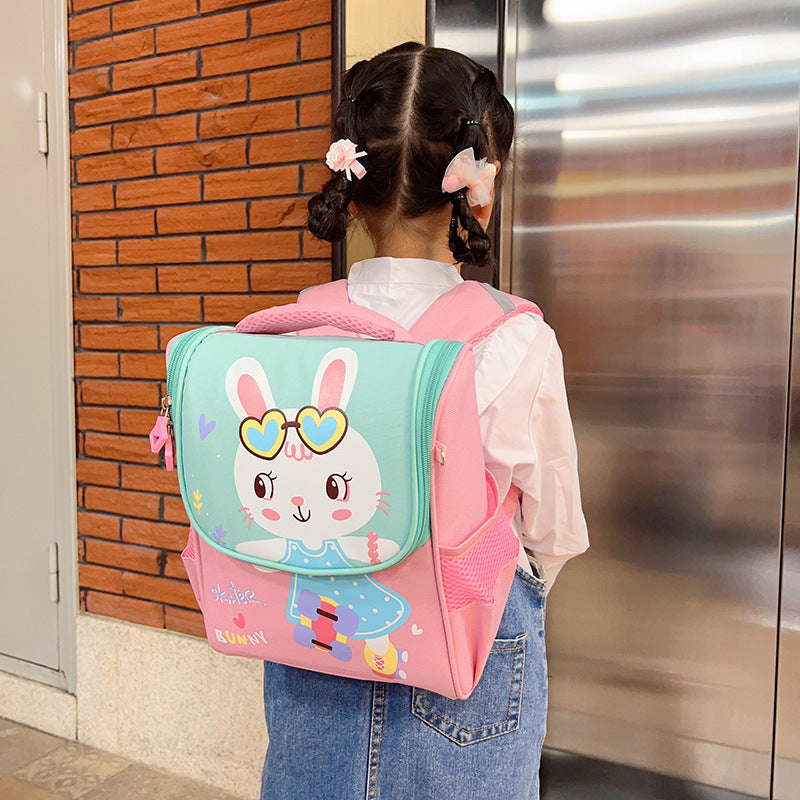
[[342, 739]]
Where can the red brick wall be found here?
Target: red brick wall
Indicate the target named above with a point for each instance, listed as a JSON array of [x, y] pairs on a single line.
[[198, 129]]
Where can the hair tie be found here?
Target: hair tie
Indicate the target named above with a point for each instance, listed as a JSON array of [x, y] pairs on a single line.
[[472, 122], [348, 100]]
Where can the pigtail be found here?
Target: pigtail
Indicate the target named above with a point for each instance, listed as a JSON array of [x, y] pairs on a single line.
[[477, 249], [329, 214]]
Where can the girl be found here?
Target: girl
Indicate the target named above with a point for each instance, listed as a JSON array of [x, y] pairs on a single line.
[[410, 111]]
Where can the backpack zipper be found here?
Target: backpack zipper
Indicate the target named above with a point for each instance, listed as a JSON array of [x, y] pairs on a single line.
[[438, 357], [180, 351]]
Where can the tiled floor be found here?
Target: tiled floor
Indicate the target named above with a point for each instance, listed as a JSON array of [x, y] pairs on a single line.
[[38, 766]]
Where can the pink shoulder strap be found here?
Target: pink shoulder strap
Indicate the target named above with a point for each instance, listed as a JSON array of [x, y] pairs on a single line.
[[465, 313], [333, 293], [469, 312]]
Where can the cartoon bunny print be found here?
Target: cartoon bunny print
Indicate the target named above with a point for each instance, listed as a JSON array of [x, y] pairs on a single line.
[[311, 480]]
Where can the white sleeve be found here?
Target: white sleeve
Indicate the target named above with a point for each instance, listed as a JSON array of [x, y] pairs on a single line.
[[529, 442]]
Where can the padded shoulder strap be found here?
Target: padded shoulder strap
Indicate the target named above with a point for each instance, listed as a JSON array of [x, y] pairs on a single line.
[[331, 293], [468, 312]]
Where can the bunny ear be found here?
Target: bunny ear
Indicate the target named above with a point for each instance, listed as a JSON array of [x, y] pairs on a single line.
[[335, 378], [248, 389]]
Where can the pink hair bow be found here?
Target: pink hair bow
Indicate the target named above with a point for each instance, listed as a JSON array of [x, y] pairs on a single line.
[[464, 172], [342, 155]]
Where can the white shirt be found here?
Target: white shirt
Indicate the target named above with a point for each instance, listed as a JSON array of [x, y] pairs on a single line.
[[522, 401]]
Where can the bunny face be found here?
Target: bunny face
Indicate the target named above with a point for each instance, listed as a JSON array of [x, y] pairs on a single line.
[[302, 473]]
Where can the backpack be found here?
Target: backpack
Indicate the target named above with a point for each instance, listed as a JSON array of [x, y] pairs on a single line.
[[342, 518]]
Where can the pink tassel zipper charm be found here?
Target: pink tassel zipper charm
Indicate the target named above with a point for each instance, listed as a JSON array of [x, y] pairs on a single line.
[[161, 435]]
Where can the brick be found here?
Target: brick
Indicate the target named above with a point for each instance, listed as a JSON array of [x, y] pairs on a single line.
[[316, 43], [288, 277], [153, 71], [98, 473], [83, 5], [117, 280], [173, 566], [167, 332], [91, 418], [102, 578], [201, 94], [249, 119], [159, 191], [304, 145], [94, 309], [96, 197], [202, 31], [81, 550], [315, 176], [154, 534], [288, 15], [91, 254], [117, 223], [89, 83], [91, 140], [184, 621], [251, 183], [315, 111], [277, 245], [134, 164], [227, 59], [119, 448], [151, 366], [154, 309], [149, 132], [113, 107], [105, 526], [119, 337], [123, 556], [315, 248], [286, 212], [150, 12], [216, 5], [161, 250], [202, 218], [231, 308], [134, 421], [89, 25], [96, 365], [127, 608], [114, 49], [122, 393], [150, 479], [119, 501], [206, 278], [311, 78], [202, 156], [163, 590], [174, 510]]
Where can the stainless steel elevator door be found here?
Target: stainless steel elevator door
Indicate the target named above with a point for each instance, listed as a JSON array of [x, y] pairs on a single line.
[[654, 220]]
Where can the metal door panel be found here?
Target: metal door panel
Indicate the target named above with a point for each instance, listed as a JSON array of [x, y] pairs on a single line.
[[786, 785], [654, 220], [29, 618]]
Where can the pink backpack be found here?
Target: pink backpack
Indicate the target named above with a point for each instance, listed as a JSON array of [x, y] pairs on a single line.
[[342, 519]]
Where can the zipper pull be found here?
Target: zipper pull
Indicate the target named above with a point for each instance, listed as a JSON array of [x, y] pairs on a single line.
[[439, 452], [161, 434]]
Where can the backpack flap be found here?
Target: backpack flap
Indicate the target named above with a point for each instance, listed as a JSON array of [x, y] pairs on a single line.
[[307, 454]]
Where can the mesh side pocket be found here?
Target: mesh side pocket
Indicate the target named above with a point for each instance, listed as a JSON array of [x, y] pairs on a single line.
[[470, 572]]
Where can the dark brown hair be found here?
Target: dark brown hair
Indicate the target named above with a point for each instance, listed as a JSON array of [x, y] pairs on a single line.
[[412, 109]]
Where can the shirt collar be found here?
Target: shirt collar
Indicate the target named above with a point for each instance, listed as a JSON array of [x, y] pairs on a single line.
[[420, 271]]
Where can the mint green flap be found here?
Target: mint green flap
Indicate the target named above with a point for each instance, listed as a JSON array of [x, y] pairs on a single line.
[[288, 444]]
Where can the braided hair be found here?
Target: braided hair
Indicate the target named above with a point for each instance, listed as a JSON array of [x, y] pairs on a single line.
[[412, 109]]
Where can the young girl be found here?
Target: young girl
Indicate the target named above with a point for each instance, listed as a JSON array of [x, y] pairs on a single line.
[[409, 112]]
